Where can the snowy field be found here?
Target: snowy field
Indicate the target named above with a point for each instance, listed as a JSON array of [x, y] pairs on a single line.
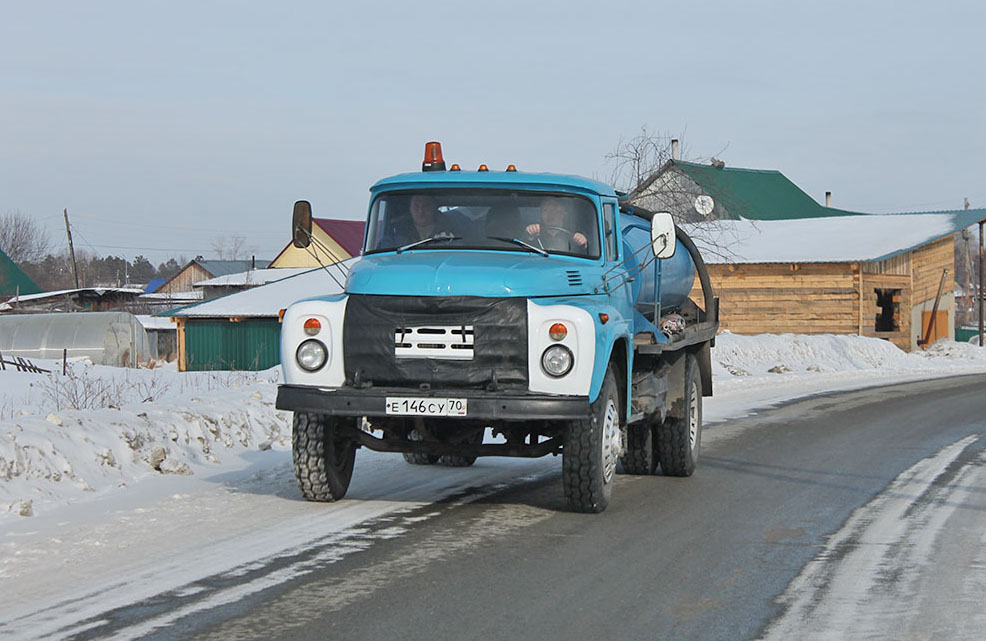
[[165, 478]]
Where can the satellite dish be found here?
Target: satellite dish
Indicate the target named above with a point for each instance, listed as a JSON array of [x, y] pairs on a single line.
[[704, 204]]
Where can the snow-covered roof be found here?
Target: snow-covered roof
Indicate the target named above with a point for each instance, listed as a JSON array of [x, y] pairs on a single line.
[[156, 322], [252, 277], [98, 291], [843, 239], [268, 300], [177, 297]]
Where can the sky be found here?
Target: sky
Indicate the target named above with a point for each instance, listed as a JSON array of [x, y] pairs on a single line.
[[163, 127]]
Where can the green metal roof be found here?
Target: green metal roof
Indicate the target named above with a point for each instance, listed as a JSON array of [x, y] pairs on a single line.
[[755, 194], [13, 280]]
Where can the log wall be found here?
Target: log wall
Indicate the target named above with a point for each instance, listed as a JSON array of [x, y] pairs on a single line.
[[769, 298], [927, 263], [830, 298]]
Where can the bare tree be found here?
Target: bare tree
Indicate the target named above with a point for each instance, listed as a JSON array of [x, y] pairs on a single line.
[[637, 171], [637, 159], [230, 247], [23, 239]]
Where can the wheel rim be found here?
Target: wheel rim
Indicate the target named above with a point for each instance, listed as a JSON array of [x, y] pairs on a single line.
[[693, 417], [611, 440]]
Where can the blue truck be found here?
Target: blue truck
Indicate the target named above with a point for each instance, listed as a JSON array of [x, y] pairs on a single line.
[[503, 313]]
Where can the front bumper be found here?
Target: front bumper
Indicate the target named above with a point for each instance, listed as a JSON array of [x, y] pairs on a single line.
[[493, 406]]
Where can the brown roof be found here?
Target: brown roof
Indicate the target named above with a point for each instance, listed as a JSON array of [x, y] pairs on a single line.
[[348, 233]]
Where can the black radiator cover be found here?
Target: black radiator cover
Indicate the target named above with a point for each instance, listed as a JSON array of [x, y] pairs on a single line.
[[499, 341]]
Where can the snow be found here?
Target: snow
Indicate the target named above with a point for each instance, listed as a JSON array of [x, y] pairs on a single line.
[[163, 466], [839, 239], [156, 322], [253, 277]]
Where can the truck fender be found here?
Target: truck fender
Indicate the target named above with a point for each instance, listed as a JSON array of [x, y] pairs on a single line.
[[703, 354]]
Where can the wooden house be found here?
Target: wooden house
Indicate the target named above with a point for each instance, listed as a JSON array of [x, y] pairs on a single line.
[[694, 192], [333, 241], [885, 276]]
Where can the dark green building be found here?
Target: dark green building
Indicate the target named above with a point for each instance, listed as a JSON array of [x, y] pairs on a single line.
[[13, 280]]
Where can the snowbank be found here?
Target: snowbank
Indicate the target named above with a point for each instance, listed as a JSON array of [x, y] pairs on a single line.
[[131, 424]]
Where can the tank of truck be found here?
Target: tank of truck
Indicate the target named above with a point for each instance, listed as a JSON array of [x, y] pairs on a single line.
[[669, 280]]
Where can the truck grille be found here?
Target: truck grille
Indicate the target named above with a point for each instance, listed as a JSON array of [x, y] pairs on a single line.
[[436, 342]]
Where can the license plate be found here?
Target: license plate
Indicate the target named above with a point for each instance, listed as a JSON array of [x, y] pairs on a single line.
[[407, 406]]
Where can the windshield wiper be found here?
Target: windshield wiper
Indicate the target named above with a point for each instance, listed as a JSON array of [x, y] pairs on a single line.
[[430, 239], [517, 241]]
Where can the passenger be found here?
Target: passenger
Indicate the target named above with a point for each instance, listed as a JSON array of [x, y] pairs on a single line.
[[425, 221], [551, 232]]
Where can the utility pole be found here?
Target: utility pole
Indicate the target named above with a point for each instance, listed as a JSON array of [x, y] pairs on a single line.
[[75, 268], [981, 272]]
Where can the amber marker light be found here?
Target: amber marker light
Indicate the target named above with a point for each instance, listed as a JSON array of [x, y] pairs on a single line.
[[280, 315], [511, 167], [312, 326], [455, 167], [483, 168], [558, 331], [603, 317]]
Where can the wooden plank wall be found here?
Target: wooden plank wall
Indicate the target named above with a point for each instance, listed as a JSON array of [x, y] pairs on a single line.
[[927, 263], [771, 298], [182, 281], [872, 282]]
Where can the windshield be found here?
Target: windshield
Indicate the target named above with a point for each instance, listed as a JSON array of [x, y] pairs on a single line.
[[520, 221]]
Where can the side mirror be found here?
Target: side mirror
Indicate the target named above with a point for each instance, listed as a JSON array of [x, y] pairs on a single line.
[[662, 238], [301, 224]]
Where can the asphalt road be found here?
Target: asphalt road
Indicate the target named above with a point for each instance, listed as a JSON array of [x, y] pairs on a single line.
[[764, 540]]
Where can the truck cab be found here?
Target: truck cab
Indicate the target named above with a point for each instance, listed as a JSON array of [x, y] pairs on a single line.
[[499, 313]]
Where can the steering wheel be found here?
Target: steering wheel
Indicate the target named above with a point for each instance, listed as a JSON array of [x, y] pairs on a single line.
[[561, 229]]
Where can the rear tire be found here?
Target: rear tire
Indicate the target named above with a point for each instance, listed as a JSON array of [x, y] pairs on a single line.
[[591, 451], [641, 455], [679, 438], [415, 458], [464, 461], [323, 458]]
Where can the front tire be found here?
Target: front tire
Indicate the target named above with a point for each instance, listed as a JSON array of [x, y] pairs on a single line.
[[680, 437], [323, 458], [591, 451]]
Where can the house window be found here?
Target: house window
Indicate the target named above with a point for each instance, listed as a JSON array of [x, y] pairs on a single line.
[[888, 310]]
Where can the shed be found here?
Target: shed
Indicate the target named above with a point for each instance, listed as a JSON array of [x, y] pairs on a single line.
[[242, 330], [107, 338], [873, 275], [333, 241]]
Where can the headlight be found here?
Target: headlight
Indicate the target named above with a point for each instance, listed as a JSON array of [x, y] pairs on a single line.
[[311, 355], [557, 360]]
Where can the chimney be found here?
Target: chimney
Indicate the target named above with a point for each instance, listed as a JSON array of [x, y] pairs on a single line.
[[674, 149], [828, 199]]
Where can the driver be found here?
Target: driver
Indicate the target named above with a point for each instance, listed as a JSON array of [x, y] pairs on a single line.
[[551, 232], [427, 220]]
